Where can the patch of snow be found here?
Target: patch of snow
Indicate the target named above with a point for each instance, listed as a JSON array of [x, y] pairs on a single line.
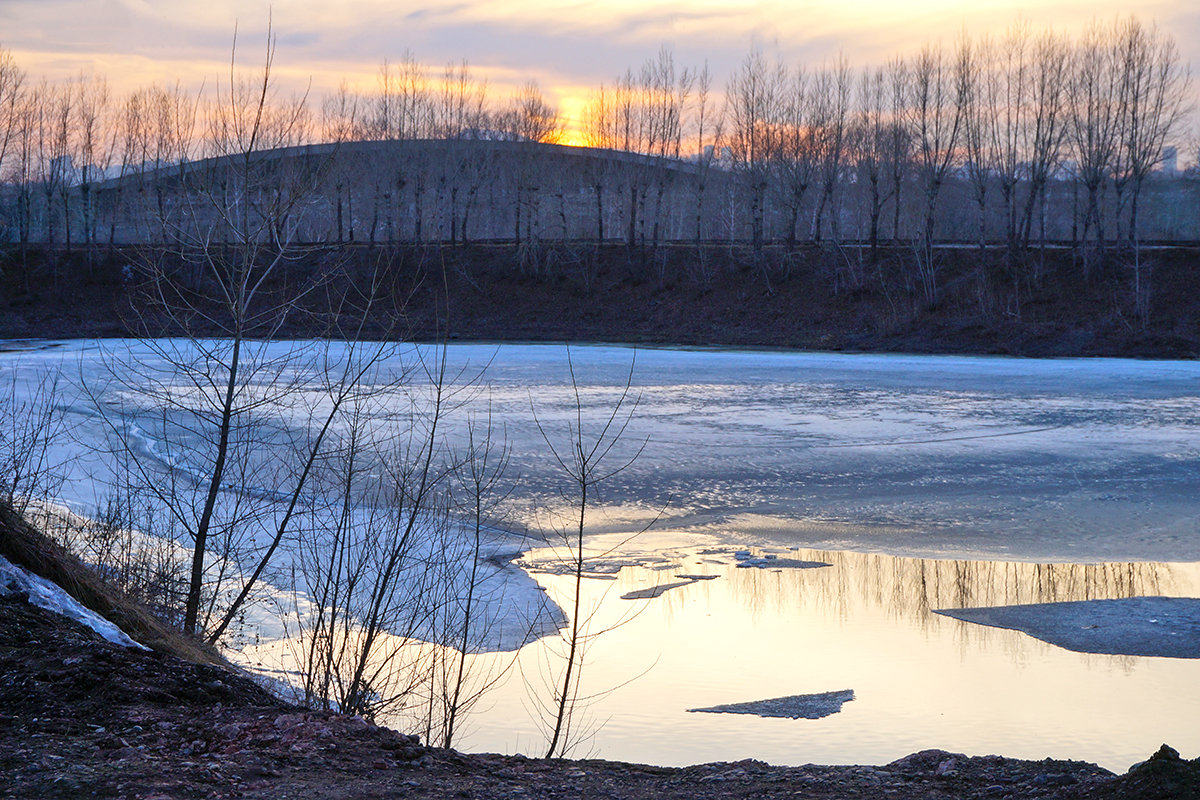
[[45, 594]]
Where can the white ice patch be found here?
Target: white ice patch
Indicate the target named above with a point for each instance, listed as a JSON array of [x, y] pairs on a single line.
[[45, 594]]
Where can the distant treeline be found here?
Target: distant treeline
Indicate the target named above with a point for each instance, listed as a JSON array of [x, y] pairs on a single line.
[[1018, 141]]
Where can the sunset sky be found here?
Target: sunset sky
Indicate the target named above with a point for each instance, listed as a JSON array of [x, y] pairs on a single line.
[[568, 47]]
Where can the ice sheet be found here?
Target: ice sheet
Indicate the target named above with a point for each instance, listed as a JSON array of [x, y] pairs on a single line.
[[1157, 627]]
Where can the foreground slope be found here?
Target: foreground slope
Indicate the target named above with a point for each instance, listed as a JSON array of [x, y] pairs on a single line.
[[81, 716]]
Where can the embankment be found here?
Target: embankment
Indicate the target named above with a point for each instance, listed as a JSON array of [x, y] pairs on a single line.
[[1035, 302]]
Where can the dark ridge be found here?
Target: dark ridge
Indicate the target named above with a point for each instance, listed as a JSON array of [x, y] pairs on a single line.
[[1033, 303]]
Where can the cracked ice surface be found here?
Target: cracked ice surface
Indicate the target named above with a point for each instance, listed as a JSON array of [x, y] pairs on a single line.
[[1063, 459], [1068, 459]]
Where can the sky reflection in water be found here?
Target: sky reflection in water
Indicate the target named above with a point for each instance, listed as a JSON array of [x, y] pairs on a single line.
[[864, 623]]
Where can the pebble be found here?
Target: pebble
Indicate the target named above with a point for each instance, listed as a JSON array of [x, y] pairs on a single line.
[[731, 775], [1054, 779]]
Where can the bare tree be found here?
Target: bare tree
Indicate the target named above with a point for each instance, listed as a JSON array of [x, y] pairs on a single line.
[[529, 119], [235, 230], [666, 91], [24, 159], [54, 167], [754, 105], [459, 109], [371, 560], [92, 147], [831, 109], [161, 129], [709, 125], [632, 135], [403, 105], [796, 156], [478, 489], [465, 120], [12, 91], [1046, 131], [1154, 88], [130, 147], [939, 88], [587, 460], [12, 82], [1153, 99], [656, 112], [598, 131], [341, 123], [900, 139], [873, 128], [401, 110], [984, 131], [1095, 121]]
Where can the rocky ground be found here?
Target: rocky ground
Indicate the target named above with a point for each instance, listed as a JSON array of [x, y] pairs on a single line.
[[80, 717]]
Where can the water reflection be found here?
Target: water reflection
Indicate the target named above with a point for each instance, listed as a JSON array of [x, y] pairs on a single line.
[[911, 588], [863, 623]]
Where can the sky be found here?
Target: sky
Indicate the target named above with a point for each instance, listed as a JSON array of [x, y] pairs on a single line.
[[568, 46]]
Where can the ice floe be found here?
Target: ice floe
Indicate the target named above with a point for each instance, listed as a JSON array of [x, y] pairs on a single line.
[[796, 706], [1166, 627]]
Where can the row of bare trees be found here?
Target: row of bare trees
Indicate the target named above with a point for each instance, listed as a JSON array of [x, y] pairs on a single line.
[[58, 141], [1044, 135], [1007, 115]]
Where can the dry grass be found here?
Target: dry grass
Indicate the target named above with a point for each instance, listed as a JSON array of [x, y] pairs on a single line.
[[24, 544]]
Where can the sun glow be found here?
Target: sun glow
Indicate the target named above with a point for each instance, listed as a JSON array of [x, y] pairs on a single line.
[[572, 101], [568, 48], [551, 40]]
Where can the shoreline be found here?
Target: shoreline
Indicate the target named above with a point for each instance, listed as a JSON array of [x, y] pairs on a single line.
[[482, 293], [94, 717], [7, 341]]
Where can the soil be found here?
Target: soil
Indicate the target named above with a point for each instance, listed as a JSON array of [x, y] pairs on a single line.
[[80, 717]]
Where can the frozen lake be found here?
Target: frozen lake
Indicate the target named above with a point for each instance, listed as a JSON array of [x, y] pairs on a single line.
[[924, 482], [917, 455]]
